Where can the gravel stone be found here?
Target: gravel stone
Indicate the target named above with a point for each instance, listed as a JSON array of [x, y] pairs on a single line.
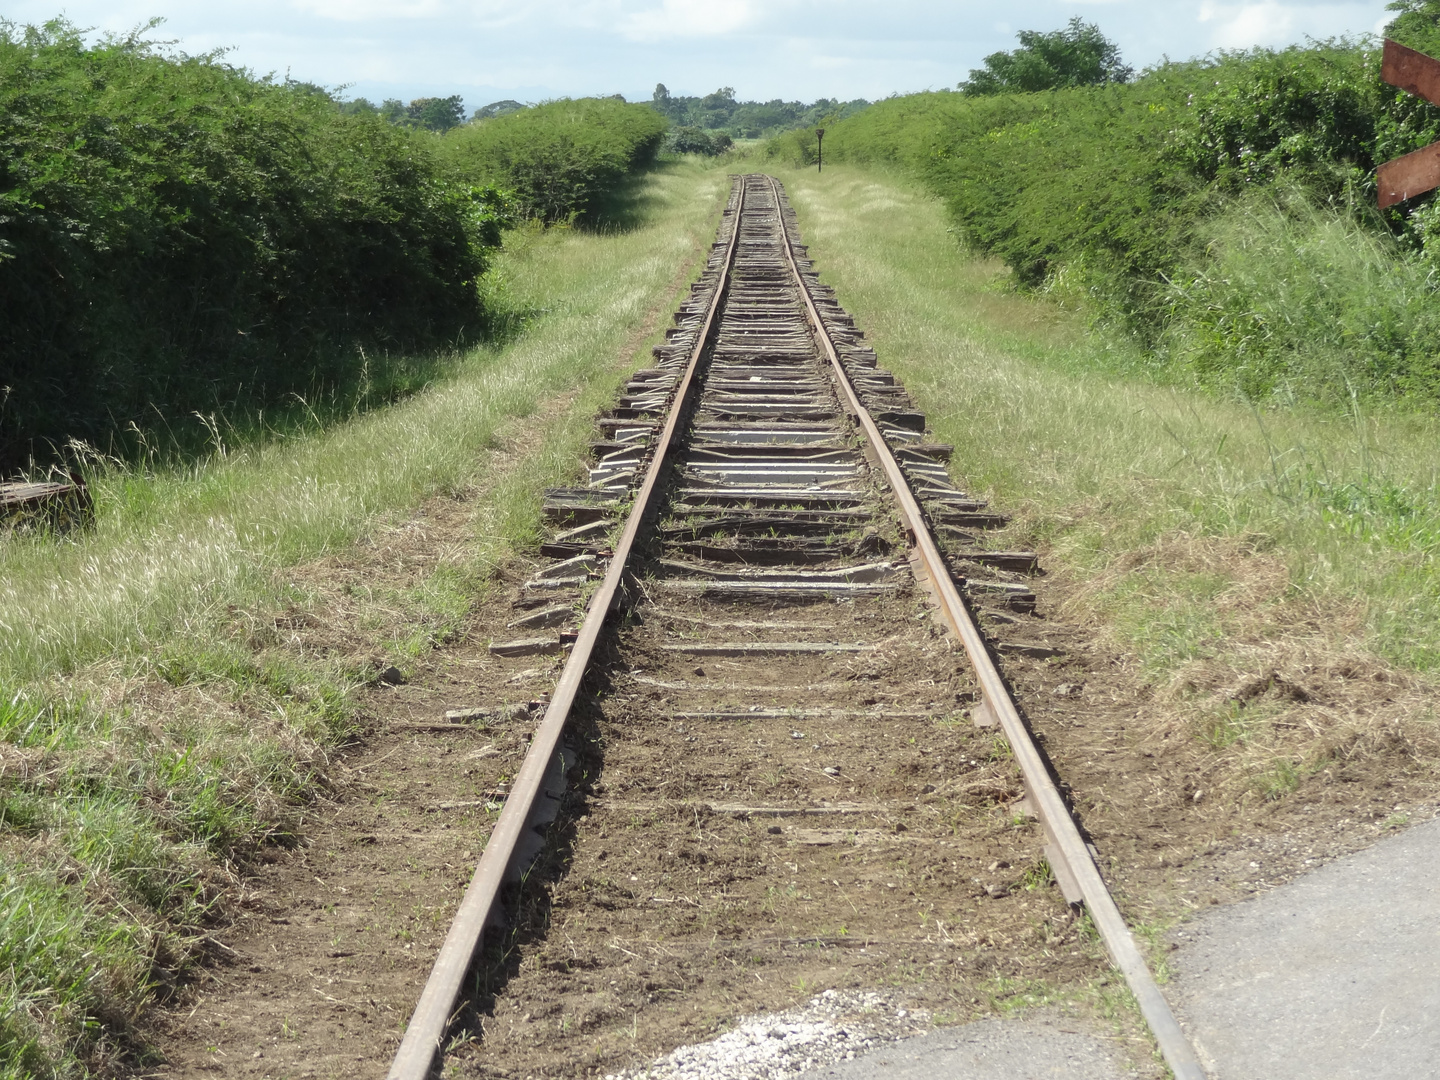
[[836, 1026]]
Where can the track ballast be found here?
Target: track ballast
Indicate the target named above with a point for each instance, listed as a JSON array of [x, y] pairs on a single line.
[[781, 775]]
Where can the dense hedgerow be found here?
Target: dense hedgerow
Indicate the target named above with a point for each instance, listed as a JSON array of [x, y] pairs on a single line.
[[177, 235], [1220, 211], [560, 159]]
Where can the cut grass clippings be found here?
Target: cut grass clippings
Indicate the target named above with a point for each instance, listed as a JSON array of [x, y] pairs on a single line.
[[151, 737]]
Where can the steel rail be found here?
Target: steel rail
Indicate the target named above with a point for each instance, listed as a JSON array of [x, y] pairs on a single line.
[[424, 1037], [1054, 815]]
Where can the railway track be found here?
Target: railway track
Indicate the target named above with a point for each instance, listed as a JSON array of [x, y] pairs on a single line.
[[797, 753]]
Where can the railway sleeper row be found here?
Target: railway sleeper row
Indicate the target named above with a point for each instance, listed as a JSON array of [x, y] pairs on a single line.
[[785, 775]]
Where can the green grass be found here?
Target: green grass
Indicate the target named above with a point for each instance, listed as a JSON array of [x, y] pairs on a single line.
[[1108, 470], [119, 825], [1290, 296]]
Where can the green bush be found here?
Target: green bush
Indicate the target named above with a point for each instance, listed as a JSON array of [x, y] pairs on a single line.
[[1201, 209], [1079, 55], [562, 158], [178, 236], [693, 140]]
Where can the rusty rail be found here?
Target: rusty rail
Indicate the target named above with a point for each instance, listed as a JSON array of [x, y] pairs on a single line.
[[1066, 843]]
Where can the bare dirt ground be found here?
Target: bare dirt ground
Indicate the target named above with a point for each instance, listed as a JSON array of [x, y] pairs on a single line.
[[1289, 748], [332, 942]]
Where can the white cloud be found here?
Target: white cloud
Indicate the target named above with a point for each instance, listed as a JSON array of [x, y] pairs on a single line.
[[1240, 26], [795, 49], [690, 19], [369, 10]]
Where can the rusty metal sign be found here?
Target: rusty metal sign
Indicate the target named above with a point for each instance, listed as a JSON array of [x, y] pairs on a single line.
[[1414, 174]]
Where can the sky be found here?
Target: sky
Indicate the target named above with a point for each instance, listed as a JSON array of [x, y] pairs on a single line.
[[490, 50]]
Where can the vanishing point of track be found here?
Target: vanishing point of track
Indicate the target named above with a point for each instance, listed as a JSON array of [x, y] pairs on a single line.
[[765, 505]]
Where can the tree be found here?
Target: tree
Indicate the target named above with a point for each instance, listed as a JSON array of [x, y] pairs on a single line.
[[1079, 55], [359, 107], [667, 106], [1417, 25], [716, 108], [497, 108], [437, 114]]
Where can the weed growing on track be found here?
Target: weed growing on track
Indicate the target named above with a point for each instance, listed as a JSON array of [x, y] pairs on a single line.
[[151, 736]]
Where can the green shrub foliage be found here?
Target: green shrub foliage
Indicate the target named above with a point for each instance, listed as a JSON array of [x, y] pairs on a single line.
[[560, 158], [177, 235], [1079, 55], [1200, 209], [693, 140], [1416, 24], [748, 119]]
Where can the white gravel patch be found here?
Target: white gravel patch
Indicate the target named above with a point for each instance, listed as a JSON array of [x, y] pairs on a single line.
[[836, 1026]]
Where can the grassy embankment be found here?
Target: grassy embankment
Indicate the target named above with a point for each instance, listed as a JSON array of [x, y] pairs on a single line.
[[1218, 402], [1215, 217], [1215, 540], [153, 733]]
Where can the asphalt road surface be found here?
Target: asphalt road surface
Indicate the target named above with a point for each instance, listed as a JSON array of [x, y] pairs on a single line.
[[1335, 976]]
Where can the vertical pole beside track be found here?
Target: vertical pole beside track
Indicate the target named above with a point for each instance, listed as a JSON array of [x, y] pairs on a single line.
[[1119, 942], [424, 1036]]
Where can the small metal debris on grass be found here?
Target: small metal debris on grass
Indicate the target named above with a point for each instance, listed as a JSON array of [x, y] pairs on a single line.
[[1034, 652], [518, 711], [468, 716]]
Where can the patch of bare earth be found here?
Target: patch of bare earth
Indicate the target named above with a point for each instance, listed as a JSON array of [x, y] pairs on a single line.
[[331, 942], [1282, 745]]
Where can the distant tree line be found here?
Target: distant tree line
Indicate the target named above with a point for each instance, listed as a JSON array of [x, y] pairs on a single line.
[[698, 125], [430, 113], [720, 112]]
